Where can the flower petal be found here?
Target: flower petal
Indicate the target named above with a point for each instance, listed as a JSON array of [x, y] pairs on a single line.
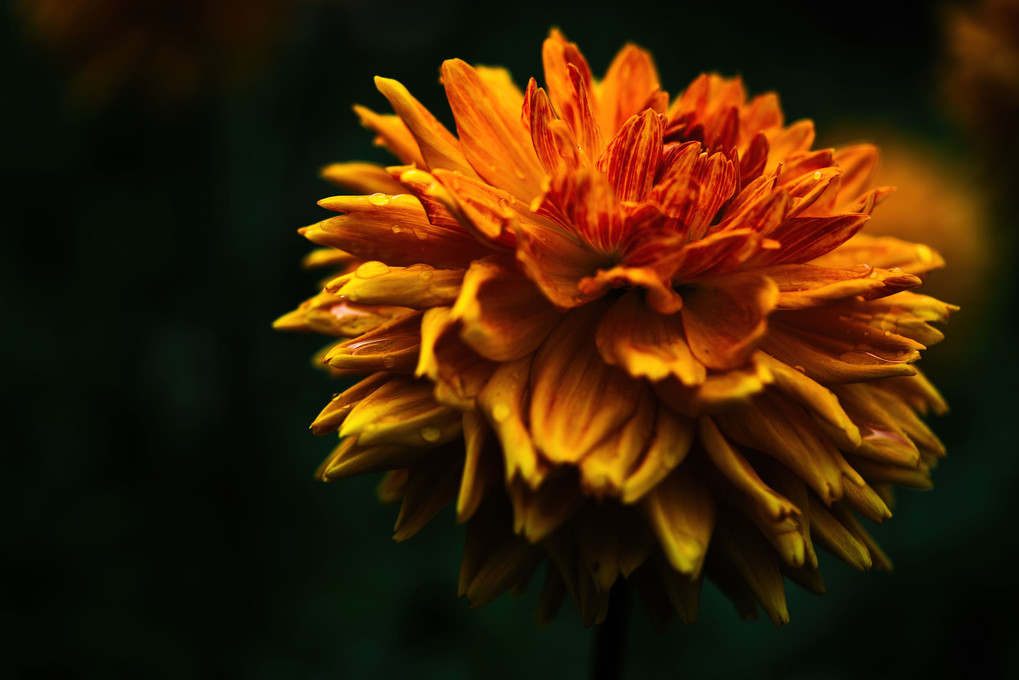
[[458, 373], [859, 165], [881, 251], [724, 318], [402, 412], [395, 230], [645, 343], [393, 134], [630, 161], [439, 148], [392, 347], [576, 399], [337, 409], [492, 137], [804, 285], [361, 178], [630, 80], [557, 264], [802, 239], [682, 513], [669, 445], [418, 286], [504, 401], [605, 469], [502, 315]]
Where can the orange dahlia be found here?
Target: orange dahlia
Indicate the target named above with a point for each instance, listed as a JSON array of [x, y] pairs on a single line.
[[636, 336]]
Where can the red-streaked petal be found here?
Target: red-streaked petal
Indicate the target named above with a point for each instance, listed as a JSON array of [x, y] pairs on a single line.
[[630, 161], [492, 137], [585, 202], [802, 239], [552, 138]]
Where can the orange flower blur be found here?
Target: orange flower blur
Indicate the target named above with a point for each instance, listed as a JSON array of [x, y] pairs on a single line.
[[639, 337]]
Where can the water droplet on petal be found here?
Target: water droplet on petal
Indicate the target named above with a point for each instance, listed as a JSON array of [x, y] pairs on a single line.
[[862, 269], [396, 228], [378, 199], [887, 333], [369, 270], [501, 412], [800, 369], [425, 275], [431, 433], [817, 174], [421, 234], [388, 362]]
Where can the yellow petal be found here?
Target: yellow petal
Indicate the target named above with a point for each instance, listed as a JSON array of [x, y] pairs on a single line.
[[337, 409], [439, 148], [645, 343], [419, 286], [682, 514], [361, 178], [576, 399], [504, 401], [481, 469], [755, 562], [670, 443], [502, 315], [402, 412], [392, 134]]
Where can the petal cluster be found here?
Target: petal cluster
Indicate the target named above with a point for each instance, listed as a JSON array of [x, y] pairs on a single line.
[[629, 335]]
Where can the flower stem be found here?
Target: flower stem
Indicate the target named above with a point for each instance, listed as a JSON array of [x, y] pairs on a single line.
[[610, 637]]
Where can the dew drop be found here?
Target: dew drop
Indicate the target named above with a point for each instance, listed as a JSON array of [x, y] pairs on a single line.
[[396, 229], [388, 362], [862, 269], [800, 369], [378, 199], [887, 333], [425, 275], [431, 433], [817, 174], [421, 234], [500, 412], [369, 270]]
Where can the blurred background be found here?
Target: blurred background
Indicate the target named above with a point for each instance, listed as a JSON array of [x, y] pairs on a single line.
[[159, 513]]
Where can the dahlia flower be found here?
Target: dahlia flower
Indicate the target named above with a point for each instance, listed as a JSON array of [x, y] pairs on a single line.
[[629, 336]]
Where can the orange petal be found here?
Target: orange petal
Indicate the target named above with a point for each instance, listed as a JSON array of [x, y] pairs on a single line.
[[491, 136], [784, 142], [630, 161], [577, 400], [502, 315], [439, 148], [487, 210], [804, 285], [645, 343], [716, 254], [881, 251], [629, 81], [418, 286], [335, 315], [505, 401], [761, 113], [802, 239], [392, 346], [396, 230], [403, 412], [859, 165], [361, 178], [719, 391], [568, 78], [660, 296], [481, 469], [557, 263], [458, 373], [552, 138], [393, 134], [724, 318], [337, 409], [831, 365], [584, 202]]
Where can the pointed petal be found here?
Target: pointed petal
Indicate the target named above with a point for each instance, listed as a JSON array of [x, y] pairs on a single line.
[[629, 81], [439, 148], [481, 470], [337, 409], [673, 436], [402, 412], [492, 137], [431, 486], [361, 178], [804, 285], [682, 513], [418, 286], [884, 252], [504, 401], [393, 134], [366, 228], [630, 161]]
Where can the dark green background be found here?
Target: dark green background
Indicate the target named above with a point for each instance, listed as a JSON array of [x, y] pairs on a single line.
[[159, 516]]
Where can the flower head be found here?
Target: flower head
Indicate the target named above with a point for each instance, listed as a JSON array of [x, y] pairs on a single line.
[[636, 336]]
